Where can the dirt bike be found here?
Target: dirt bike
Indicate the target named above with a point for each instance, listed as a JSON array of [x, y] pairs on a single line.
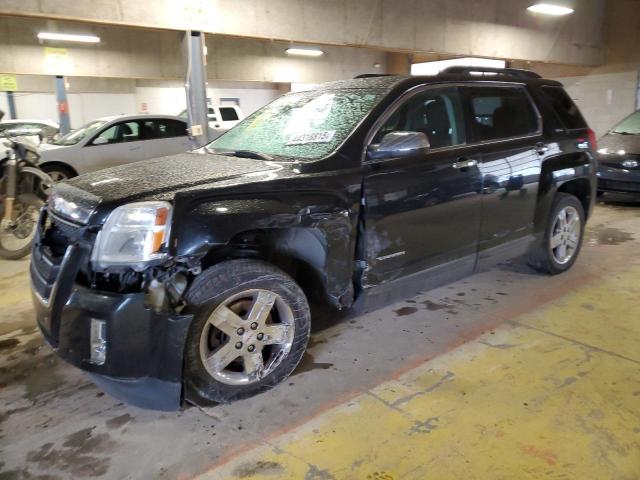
[[20, 197]]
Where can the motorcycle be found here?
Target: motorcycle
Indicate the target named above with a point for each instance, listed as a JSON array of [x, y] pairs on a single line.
[[20, 196]]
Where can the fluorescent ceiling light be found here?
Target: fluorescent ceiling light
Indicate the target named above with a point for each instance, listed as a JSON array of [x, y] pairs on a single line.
[[550, 9], [304, 52], [67, 37]]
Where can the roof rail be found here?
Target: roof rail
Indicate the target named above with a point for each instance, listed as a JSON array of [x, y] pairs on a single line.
[[486, 71], [372, 75]]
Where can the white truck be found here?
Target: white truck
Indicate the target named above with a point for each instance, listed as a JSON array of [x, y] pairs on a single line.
[[221, 118]]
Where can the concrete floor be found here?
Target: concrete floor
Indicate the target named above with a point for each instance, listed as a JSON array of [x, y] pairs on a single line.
[[506, 374]]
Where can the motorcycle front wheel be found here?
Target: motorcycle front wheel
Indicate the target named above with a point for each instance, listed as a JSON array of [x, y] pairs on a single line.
[[17, 233]]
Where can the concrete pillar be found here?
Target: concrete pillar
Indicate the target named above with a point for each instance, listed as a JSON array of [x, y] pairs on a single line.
[[196, 85], [638, 93], [11, 101], [63, 105], [398, 63]]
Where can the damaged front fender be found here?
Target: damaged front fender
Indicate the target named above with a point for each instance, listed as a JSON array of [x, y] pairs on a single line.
[[315, 230]]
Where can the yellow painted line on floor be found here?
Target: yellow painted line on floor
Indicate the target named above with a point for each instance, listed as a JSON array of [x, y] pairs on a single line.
[[551, 394]]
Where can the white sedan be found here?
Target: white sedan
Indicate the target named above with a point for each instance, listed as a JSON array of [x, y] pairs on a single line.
[[33, 130], [111, 141]]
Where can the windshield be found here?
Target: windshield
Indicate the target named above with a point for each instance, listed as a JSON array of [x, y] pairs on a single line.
[[306, 125], [74, 137], [629, 126]]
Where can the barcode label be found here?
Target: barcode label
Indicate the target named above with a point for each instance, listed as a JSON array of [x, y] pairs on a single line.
[[311, 137]]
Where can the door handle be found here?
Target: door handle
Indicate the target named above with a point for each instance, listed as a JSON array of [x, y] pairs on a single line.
[[464, 163], [541, 148]]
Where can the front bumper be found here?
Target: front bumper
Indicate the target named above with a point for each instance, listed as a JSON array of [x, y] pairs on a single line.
[[614, 179], [144, 347]]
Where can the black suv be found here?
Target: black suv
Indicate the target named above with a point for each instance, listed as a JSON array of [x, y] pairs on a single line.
[[187, 277]]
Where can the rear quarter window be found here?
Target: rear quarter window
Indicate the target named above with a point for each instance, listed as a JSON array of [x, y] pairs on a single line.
[[502, 112], [564, 108]]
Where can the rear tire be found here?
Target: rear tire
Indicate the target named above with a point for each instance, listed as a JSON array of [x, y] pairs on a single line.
[[250, 329], [58, 173], [562, 241]]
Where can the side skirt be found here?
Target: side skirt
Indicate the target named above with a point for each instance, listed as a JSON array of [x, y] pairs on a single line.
[[406, 287], [515, 248]]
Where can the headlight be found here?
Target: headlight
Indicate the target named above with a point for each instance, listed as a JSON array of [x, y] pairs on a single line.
[[630, 163], [133, 235], [72, 203]]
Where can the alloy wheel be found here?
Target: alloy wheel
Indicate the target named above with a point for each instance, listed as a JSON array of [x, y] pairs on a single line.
[[565, 235], [246, 337], [56, 177]]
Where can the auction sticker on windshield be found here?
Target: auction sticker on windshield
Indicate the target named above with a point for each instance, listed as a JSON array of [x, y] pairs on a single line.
[[311, 137]]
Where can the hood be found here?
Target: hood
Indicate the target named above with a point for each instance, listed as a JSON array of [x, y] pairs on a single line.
[[165, 176], [614, 142], [44, 147]]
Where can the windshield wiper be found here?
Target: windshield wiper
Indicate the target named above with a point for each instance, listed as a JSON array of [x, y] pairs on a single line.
[[248, 154], [239, 153]]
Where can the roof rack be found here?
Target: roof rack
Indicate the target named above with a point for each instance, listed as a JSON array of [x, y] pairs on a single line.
[[373, 75], [487, 71]]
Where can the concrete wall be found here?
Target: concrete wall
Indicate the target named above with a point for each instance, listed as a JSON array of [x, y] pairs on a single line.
[[604, 99], [493, 28], [136, 53], [608, 93], [93, 98]]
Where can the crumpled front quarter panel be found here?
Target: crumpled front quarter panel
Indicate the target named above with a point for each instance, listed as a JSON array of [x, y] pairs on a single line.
[[326, 205]]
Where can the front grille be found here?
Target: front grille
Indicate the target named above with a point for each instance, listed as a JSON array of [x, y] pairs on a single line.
[[615, 161], [613, 185], [69, 230], [59, 234]]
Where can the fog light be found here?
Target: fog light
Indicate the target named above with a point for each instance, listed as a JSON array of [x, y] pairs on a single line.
[[98, 341]]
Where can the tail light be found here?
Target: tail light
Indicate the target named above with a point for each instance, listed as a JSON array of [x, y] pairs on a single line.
[[593, 140]]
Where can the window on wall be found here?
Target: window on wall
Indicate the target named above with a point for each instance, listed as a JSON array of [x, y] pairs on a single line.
[[435, 67], [228, 114], [435, 112], [502, 112]]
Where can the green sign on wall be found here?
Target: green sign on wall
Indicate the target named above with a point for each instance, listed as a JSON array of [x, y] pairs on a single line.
[[8, 83]]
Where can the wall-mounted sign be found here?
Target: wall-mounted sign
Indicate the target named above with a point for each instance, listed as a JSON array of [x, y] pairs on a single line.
[[57, 61], [8, 83]]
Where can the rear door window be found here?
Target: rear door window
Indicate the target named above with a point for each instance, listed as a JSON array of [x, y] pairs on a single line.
[[502, 112], [564, 108], [163, 128]]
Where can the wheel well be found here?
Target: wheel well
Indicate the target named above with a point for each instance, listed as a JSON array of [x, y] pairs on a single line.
[[66, 166], [580, 188], [300, 252]]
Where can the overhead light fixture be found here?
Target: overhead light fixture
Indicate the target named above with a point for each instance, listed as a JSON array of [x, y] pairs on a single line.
[[304, 52], [68, 37], [550, 9]]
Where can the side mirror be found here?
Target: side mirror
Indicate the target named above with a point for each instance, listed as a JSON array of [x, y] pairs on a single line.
[[398, 144], [100, 141]]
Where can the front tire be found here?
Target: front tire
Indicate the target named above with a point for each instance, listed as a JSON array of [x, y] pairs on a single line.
[[250, 329], [563, 236], [16, 237]]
